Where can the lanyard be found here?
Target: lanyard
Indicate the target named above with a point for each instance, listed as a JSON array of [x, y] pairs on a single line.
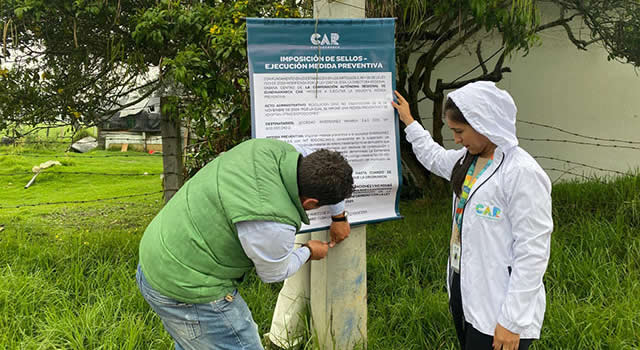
[[469, 181]]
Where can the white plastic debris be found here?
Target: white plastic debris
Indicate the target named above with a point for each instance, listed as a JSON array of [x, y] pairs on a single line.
[[85, 144], [38, 168]]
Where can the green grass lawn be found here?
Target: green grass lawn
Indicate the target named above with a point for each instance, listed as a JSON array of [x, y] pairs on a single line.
[[67, 271]]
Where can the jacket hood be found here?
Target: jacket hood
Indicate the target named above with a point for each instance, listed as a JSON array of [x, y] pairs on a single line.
[[489, 110]]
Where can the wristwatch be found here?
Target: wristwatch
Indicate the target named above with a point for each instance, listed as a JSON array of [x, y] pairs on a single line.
[[342, 218]]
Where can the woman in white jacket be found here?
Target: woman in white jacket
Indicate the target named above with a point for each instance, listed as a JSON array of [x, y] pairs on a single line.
[[501, 215]]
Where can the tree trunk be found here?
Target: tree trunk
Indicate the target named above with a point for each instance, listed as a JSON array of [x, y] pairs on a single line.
[[171, 151], [416, 174], [437, 113]]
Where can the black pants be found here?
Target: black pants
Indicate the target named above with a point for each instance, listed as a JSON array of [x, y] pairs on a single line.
[[469, 337]]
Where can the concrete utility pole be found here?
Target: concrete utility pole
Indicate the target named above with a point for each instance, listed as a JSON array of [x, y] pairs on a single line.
[[339, 9], [339, 282], [171, 153]]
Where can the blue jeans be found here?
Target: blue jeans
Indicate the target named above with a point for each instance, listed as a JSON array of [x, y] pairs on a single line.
[[224, 324]]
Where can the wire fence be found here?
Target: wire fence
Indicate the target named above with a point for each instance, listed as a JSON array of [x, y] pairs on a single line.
[[81, 173], [590, 141], [86, 173], [581, 164], [40, 155], [80, 201], [66, 143], [578, 142], [577, 134], [570, 170], [565, 171], [113, 139], [564, 131]]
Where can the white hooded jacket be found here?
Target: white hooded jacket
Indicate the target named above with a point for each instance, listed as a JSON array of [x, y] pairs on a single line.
[[507, 222]]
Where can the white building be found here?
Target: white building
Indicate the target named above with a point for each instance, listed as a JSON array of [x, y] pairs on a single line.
[[560, 86]]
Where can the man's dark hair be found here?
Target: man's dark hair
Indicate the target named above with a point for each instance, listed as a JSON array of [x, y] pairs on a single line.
[[461, 167], [326, 176]]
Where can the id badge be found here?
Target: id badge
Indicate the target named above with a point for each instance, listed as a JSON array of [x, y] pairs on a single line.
[[455, 257]]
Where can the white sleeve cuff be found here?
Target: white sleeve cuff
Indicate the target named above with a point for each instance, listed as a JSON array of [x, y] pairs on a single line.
[[510, 325], [336, 209], [270, 246], [411, 126], [303, 253], [414, 131]]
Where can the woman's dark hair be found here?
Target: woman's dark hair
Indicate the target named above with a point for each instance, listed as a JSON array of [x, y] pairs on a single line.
[[461, 167]]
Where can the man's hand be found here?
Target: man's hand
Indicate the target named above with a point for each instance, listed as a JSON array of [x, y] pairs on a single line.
[[339, 230], [318, 249], [403, 109], [503, 339]]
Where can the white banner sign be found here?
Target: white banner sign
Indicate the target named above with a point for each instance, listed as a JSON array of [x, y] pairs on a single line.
[[340, 102]]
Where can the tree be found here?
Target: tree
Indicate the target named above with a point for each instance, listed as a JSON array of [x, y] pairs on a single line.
[[427, 32], [613, 23], [71, 61], [75, 62], [78, 60], [209, 61]]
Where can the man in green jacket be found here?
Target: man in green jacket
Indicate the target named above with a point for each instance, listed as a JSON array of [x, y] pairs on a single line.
[[240, 211]]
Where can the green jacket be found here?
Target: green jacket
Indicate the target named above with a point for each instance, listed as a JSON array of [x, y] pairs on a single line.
[[191, 251]]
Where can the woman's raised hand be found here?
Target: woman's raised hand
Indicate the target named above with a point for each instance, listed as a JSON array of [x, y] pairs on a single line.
[[403, 109]]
